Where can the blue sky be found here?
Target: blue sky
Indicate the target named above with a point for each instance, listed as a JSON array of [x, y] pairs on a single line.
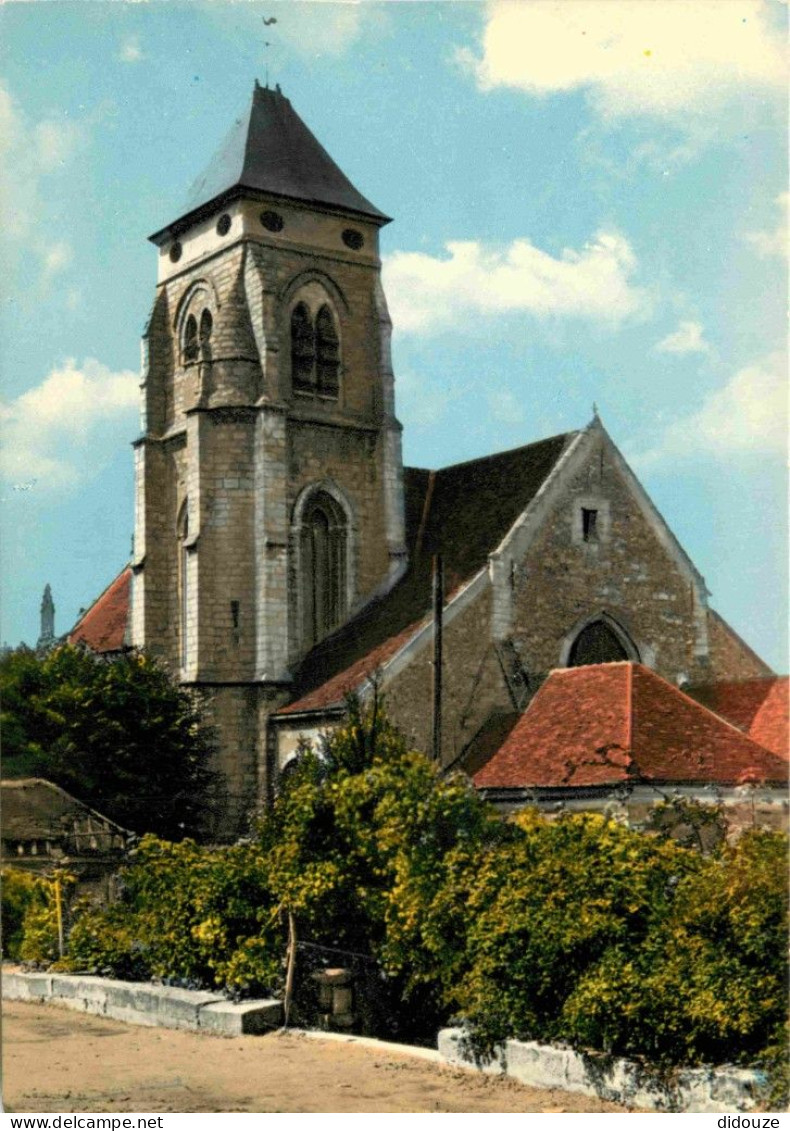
[[590, 201]]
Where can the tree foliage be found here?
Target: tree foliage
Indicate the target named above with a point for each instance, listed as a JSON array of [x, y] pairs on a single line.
[[117, 733]]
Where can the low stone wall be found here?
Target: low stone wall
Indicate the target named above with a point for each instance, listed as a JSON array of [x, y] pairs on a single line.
[[724, 1089], [143, 1003]]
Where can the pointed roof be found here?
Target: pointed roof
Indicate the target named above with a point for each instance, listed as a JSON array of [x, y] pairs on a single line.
[[37, 809], [760, 707], [271, 151], [103, 627], [610, 723]]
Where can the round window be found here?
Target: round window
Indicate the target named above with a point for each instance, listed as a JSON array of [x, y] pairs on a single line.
[[175, 252], [272, 221], [223, 224], [353, 239]]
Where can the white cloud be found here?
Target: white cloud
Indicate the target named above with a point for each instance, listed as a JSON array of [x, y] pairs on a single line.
[[56, 259], [661, 58], [131, 52], [775, 242], [427, 294], [749, 415], [30, 153], [55, 141], [688, 338], [64, 430]]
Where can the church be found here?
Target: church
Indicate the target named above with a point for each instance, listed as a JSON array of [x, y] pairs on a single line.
[[284, 556]]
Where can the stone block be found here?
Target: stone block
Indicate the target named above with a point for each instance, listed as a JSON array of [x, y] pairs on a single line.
[[712, 1089], [19, 986], [235, 1019], [81, 991], [146, 1004]]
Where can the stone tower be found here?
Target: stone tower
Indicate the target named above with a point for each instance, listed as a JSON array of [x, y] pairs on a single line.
[[269, 498], [47, 635]]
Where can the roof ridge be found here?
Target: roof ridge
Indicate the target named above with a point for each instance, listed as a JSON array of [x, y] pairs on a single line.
[[741, 641], [719, 718], [505, 451], [95, 602]]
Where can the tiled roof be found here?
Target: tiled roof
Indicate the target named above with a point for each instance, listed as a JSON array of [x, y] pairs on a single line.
[[610, 723], [36, 809], [103, 627], [462, 512], [760, 707], [333, 692], [270, 150]]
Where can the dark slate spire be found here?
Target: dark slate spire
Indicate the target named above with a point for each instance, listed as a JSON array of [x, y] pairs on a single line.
[[270, 150]]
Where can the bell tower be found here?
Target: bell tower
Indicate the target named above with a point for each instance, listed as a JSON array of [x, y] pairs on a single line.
[[269, 494]]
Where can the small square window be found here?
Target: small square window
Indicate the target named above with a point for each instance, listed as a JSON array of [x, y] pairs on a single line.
[[589, 525]]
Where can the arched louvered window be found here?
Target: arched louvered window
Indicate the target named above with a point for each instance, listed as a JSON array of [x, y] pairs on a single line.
[[206, 326], [324, 544], [327, 348], [190, 350], [302, 348], [597, 643]]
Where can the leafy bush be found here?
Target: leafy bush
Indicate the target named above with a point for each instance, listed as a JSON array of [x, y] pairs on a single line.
[[187, 915], [547, 909], [708, 982], [19, 890], [40, 929]]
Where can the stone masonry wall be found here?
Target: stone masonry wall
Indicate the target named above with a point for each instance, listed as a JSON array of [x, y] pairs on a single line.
[[204, 442], [627, 573], [473, 684], [730, 657]]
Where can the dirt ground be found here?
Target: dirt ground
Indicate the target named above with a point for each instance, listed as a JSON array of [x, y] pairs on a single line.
[[55, 1060]]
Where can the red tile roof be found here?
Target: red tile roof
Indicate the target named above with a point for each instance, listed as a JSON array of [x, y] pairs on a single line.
[[760, 707], [103, 627], [770, 725], [333, 692], [610, 723]]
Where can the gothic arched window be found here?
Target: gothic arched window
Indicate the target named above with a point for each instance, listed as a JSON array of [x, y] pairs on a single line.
[[206, 326], [324, 545], [597, 643], [327, 348], [302, 348], [190, 350]]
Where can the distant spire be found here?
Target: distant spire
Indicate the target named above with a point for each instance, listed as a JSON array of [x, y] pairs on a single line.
[[47, 637]]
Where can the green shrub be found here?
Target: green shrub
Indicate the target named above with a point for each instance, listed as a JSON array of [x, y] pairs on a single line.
[[19, 889], [709, 980], [40, 928], [187, 915]]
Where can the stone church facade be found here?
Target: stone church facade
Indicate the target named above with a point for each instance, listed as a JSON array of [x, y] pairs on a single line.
[[283, 555]]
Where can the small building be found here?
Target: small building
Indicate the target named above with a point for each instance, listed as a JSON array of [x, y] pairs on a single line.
[[44, 827], [619, 733]]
